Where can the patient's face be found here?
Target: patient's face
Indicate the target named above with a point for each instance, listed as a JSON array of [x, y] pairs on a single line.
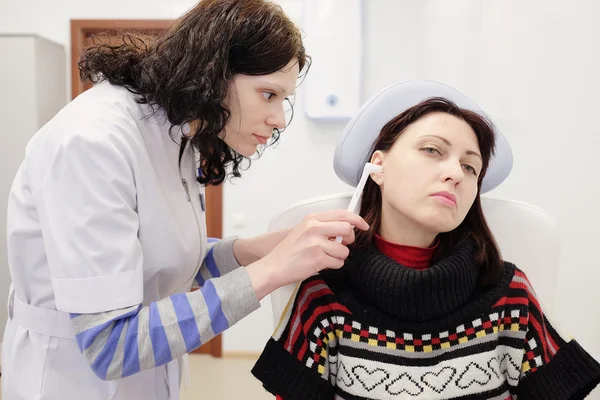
[[429, 179]]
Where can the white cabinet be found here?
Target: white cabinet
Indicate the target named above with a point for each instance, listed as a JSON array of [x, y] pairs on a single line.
[[32, 90]]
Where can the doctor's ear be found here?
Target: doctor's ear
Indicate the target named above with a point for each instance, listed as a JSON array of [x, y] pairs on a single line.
[[377, 158]]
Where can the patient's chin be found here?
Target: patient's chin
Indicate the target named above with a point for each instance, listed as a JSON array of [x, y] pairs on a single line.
[[440, 224]]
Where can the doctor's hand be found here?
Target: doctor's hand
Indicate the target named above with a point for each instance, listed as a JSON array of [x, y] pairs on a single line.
[[307, 249], [247, 251]]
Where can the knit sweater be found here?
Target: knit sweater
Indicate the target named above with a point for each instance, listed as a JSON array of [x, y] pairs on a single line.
[[378, 330]]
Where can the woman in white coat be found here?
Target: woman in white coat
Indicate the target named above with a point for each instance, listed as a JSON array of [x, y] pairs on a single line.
[[106, 225]]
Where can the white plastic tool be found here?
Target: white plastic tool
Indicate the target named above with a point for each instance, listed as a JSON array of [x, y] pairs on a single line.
[[355, 201]]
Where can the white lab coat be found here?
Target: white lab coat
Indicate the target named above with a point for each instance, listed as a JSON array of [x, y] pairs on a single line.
[[98, 219]]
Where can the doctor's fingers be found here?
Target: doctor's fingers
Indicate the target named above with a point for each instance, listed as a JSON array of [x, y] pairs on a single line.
[[328, 229], [329, 262], [335, 250], [339, 216], [347, 239]]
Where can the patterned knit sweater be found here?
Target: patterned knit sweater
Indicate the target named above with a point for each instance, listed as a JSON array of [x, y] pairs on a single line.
[[378, 330]]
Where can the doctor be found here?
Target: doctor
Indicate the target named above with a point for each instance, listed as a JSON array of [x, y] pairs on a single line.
[[106, 224]]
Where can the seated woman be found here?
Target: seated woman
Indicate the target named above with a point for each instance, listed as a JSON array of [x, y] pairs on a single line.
[[424, 307]]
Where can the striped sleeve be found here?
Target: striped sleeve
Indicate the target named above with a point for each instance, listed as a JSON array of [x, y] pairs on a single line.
[[554, 366], [218, 261], [299, 360], [123, 342]]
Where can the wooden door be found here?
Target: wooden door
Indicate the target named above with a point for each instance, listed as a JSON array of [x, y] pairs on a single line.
[[108, 30]]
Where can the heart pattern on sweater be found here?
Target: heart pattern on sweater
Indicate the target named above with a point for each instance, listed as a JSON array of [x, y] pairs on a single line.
[[446, 379], [370, 379], [343, 376], [494, 366], [510, 368], [404, 384], [474, 373], [440, 380]]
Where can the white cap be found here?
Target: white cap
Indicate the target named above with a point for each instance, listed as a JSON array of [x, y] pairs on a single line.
[[353, 149]]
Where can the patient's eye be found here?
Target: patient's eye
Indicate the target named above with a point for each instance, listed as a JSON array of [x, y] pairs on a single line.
[[470, 169], [431, 150]]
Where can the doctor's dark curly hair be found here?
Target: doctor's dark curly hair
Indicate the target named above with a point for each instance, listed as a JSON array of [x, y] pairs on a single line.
[[186, 71]]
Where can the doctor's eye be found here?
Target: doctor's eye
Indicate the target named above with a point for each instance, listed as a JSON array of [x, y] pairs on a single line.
[[268, 95]]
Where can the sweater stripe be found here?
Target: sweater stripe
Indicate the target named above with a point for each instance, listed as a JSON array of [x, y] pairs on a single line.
[[318, 314], [210, 265], [218, 321], [187, 323], [158, 337], [308, 295], [500, 393], [508, 301], [286, 315], [131, 357], [110, 348], [428, 359], [540, 334], [537, 309], [123, 342], [295, 320]]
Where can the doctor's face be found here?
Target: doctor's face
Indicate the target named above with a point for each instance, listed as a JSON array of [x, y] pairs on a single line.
[[430, 176], [257, 104]]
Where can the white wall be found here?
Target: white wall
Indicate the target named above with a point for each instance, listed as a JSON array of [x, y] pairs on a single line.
[[533, 65]]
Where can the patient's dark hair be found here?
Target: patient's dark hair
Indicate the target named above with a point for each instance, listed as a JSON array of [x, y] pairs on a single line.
[[186, 71], [474, 225]]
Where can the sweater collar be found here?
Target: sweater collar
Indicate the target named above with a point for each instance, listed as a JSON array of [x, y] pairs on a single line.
[[410, 256], [413, 295]]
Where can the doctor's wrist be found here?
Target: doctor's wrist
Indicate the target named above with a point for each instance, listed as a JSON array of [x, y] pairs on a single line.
[[263, 278], [245, 252]]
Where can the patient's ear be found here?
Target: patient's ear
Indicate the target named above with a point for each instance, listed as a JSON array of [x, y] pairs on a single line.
[[377, 159]]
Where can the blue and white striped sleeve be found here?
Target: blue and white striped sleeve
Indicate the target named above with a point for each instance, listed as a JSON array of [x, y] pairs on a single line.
[[218, 261], [123, 342]]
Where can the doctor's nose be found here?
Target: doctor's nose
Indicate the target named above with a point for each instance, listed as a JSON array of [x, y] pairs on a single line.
[[277, 119]]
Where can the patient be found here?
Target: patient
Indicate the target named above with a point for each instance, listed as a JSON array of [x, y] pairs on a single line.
[[425, 307]]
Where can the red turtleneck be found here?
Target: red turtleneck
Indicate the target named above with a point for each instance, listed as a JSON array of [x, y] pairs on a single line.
[[409, 256]]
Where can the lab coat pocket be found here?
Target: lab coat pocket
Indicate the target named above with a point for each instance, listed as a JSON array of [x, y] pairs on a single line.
[[23, 363], [140, 386], [162, 383], [65, 360]]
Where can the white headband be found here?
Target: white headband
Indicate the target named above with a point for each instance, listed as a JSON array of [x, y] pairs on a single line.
[[353, 150]]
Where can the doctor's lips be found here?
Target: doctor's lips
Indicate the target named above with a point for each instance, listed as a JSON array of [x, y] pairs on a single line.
[[261, 139], [446, 197]]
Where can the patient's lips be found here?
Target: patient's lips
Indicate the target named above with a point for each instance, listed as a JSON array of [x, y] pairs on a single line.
[[445, 198]]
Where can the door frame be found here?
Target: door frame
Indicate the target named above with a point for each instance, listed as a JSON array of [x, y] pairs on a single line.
[[80, 31]]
